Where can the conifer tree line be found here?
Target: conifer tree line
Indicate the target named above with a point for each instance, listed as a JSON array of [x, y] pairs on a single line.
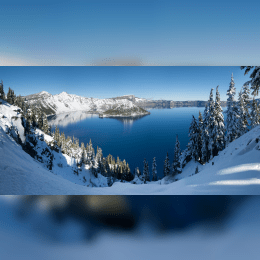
[[209, 134]]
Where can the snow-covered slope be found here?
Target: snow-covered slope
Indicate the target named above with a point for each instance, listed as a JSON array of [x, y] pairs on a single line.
[[235, 171], [10, 116], [64, 102]]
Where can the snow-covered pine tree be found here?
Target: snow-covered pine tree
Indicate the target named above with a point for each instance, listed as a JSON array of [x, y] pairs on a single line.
[[9, 96], [154, 170], [242, 122], [45, 126], [247, 101], [13, 97], [176, 160], [28, 121], [255, 114], [93, 165], [211, 125], [194, 138], [145, 170], [137, 172], [219, 129], [205, 136], [147, 176], [200, 129], [2, 93], [232, 113], [166, 169], [255, 78], [57, 135]]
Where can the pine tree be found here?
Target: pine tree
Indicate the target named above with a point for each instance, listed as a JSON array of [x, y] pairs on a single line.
[[176, 161], [211, 125], [205, 136], [219, 128], [154, 170], [242, 119], [9, 96], [166, 169], [93, 165], [2, 93], [194, 139], [45, 126], [137, 172], [247, 101], [232, 113], [29, 121], [145, 170], [57, 135], [255, 78], [147, 175], [200, 130], [255, 114]]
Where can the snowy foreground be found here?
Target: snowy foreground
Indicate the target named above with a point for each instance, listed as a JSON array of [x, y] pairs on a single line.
[[238, 239], [235, 171]]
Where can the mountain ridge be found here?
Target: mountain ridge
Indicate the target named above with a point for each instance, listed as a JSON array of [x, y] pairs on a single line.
[[64, 102]]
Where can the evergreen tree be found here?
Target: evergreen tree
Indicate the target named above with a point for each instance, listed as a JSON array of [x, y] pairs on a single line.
[[9, 96], [107, 168], [200, 130], [2, 93], [145, 173], [232, 113], [255, 78], [13, 97], [205, 136], [93, 165], [219, 127], [29, 121], [247, 101], [154, 170], [57, 135], [242, 119], [166, 169], [194, 139], [254, 114], [211, 125], [45, 126], [137, 172], [176, 161]]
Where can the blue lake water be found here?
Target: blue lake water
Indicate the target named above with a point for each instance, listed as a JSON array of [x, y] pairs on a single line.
[[133, 139]]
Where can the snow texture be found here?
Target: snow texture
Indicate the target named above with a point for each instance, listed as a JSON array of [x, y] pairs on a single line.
[[236, 170]]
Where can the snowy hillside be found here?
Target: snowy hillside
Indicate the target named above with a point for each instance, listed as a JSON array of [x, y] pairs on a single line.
[[64, 102], [234, 171]]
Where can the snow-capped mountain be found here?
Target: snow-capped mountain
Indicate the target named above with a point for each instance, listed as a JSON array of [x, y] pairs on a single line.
[[64, 102]]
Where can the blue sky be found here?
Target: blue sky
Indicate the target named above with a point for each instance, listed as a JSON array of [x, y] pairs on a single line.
[[129, 32], [155, 82]]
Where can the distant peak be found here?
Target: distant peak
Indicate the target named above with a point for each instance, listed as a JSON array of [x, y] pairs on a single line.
[[43, 92]]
